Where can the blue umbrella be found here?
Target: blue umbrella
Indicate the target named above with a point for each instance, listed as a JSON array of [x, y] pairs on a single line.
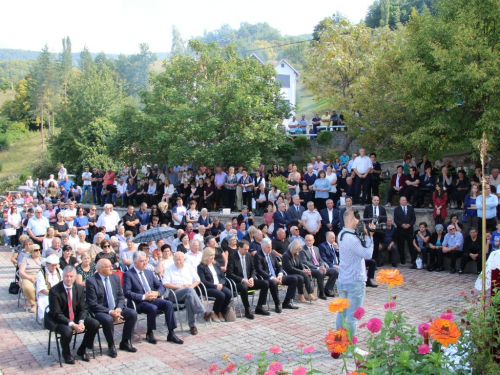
[[155, 234]]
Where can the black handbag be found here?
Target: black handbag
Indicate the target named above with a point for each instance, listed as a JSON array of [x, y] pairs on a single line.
[[14, 288]]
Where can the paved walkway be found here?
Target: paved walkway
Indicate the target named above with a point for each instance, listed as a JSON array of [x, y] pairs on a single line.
[[23, 344]]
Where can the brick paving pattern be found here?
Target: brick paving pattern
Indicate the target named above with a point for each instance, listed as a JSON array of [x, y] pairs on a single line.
[[23, 343]]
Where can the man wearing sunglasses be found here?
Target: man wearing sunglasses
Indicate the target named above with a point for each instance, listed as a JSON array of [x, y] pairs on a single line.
[[37, 227]]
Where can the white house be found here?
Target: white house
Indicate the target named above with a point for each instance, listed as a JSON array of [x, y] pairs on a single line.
[[288, 76]]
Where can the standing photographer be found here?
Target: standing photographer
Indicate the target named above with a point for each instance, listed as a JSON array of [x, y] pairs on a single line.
[[351, 283]]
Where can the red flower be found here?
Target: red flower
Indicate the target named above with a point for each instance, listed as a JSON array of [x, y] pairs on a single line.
[[335, 355], [424, 349], [358, 313], [212, 368], [275, 349], [374, 325], [422, 328], [230, 367]]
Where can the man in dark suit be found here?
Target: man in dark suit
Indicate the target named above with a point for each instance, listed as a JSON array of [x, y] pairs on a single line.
[[68, 313], [378, 214], [328, 251], [294, 212], [398, 184], [105, 300], [280, 219], [268, 267], [141, 286], [404, 218], [311, 258], [241, 270], [329, 220], [388, 242]]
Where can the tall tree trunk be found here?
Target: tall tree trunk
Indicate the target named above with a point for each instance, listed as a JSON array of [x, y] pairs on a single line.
[[53, 123], [49, 123], [41, 125]]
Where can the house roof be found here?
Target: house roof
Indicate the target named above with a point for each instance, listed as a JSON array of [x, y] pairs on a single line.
[[254, 56], [287, 63]]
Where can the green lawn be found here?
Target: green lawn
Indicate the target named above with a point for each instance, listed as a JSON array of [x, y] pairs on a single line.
[[306, 103], [21, 154], [8, 95]]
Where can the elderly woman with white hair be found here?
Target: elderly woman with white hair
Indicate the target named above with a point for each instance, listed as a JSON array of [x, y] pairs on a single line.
[[28, 269], [49, 275]]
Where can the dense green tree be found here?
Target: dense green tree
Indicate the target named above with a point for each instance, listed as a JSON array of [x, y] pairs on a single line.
[[134, 69], [19, 108], [394, 13], [94, 99], [437, 88], [66, 64], [214, 108]]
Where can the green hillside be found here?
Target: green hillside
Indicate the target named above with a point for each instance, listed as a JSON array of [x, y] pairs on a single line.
[[7, 95]]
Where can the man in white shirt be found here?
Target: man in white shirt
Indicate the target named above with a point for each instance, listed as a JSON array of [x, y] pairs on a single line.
[[311, 220], [193, 256], [37, 226], [226, 232], [70, 214], [108, 219], [182, 280], [293, 125], [87, 183], [200, 236], [121, 188], [349, 164], [362, 166]]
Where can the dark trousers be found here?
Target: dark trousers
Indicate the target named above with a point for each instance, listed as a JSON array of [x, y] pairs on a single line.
[[393, 249], [128, 200], [393, 191], [290, 281], [222, 299], [401, 239], [247, 199], [374, 189], [361, 187], [94, 195], [229, 199], [491, 224], [219, 195], [261, 285], [422, 193], [151, 309], [332, 274], [66, 332], [97, 198], [209, 201], [370, 266], [304, 280], [412, 193], [151, 199], [466, 259], [433, 255], [108, 325], [454, 255], [377, 238]]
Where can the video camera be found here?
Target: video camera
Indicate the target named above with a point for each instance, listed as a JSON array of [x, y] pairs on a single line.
[[379, 227]]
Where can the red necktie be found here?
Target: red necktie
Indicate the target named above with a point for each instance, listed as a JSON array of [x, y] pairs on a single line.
[[70, 306]]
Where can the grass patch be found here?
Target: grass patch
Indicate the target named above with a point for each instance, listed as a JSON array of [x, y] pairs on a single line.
[[8, 95], [307, 104], [21, 154]]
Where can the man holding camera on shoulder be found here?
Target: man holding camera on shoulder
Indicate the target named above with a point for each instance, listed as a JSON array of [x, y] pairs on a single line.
[[351, 283]]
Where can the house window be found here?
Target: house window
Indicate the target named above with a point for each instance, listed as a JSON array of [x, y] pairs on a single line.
[[284, 79], [282, 65]]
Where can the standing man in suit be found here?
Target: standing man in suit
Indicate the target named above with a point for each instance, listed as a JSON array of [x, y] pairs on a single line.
[[311, 258], [106, 301], [329, 220], [295, 211], [267, 266], [404, 217], [68, 313], [141, 286], [389, 240], [240, 269], [280, 219], [378, 214], [328, 251]]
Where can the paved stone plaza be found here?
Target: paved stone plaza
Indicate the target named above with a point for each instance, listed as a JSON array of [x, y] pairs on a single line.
[[23, 344]]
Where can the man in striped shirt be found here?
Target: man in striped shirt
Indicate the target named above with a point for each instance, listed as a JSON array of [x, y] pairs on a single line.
[[351, 283]]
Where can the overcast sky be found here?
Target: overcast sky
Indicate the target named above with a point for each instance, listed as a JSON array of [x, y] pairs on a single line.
[[119, 26]]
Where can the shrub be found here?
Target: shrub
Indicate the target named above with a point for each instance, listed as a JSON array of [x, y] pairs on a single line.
[[301, 142], [324, 138], [280, 183]]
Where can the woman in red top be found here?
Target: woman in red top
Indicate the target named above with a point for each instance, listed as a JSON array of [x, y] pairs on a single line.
[[439, 198]]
